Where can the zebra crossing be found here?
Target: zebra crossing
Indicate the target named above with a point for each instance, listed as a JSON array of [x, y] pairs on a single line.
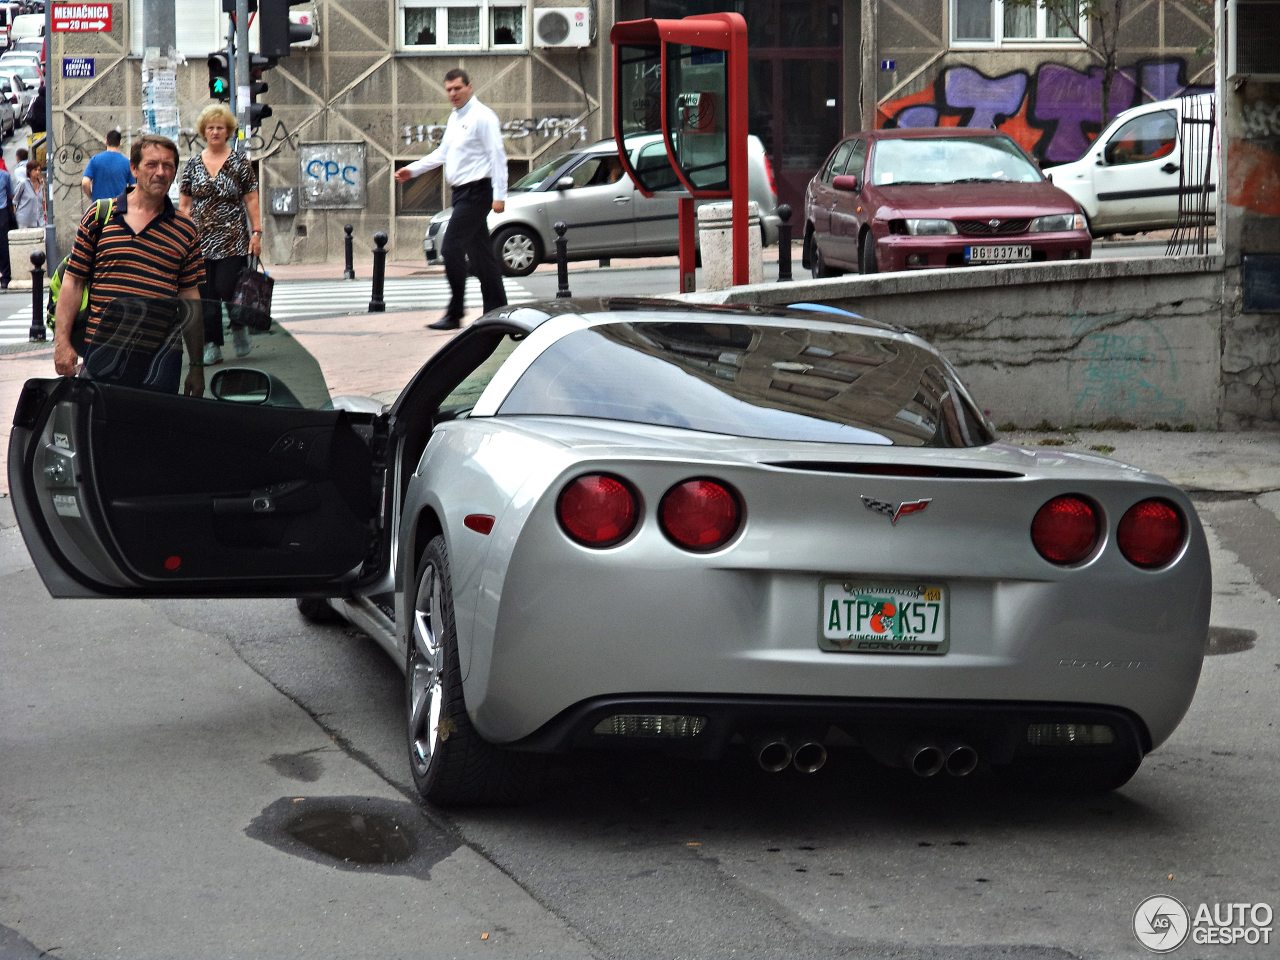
[[295, 299]]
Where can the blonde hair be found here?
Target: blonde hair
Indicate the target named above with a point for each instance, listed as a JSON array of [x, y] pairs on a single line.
[[217, 113]]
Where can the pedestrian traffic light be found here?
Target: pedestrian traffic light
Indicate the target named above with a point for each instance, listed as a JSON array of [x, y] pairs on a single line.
[[219, 77], [258, 112], [275, 29]]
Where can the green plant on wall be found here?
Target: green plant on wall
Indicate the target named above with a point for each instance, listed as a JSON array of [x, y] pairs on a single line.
[[1095, 23]]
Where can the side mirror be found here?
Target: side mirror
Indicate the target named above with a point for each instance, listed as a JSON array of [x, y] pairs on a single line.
[[565, 183], [847, 181], [252, 387]]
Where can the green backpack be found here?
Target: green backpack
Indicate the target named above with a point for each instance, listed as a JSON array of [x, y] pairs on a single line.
[[102, 213]]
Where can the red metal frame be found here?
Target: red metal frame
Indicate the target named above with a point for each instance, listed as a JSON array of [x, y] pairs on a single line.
[[714, 31]]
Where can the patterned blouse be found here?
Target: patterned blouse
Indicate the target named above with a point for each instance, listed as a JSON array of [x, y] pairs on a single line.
[[218, 204]]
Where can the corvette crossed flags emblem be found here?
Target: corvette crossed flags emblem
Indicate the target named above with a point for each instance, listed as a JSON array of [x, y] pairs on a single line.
[[903, 509]]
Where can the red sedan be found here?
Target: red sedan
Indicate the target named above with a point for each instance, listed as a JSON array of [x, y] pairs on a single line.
[[943, 197]]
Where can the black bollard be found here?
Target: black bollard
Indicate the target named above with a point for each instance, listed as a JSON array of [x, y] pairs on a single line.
[[562, 260], [784, 242], [377, 304], [37, 332], [349, 244]]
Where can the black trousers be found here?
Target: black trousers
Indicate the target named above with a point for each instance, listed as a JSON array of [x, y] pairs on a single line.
[[467, 240], [5, 267], [219, 287]]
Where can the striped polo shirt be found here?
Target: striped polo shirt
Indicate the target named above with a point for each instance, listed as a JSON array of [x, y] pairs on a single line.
[[159, 262]]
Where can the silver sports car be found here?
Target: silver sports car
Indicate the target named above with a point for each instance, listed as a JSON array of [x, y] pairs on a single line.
[[634, 523]]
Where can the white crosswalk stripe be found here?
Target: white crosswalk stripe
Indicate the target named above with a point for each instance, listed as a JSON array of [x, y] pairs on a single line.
[[328, 298], [321, 298]]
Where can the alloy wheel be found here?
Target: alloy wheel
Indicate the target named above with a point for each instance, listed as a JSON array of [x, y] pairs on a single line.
[[425, 665]]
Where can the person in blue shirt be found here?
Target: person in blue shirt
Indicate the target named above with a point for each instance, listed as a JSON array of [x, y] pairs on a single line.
[[108, 172]]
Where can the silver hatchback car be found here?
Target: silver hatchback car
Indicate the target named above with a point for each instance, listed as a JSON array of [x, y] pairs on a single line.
[[607, 216]]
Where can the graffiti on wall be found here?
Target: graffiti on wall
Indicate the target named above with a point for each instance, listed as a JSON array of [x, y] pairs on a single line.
[[432, 133], [1118, 378], [1053, 113], [1253, 165]]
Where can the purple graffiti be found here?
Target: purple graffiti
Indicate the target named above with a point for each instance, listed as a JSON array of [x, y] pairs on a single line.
[[987, 100], [917, 117], [1068, 102]]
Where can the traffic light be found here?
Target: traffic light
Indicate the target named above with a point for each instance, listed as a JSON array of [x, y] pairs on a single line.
[[258, 111], [219, 77], [276, 31]]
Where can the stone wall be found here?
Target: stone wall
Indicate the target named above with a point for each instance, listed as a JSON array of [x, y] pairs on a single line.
[[1141, 342]]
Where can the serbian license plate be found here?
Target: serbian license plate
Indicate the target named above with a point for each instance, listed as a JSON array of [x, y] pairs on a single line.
[[866, 616], [998, 253]]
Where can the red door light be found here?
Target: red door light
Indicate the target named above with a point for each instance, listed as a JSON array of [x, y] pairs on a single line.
[[699, 514], [598, 510], [1066, 529], [1151, 533]]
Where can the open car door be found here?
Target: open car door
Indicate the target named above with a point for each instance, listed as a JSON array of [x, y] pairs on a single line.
[[128, 492]]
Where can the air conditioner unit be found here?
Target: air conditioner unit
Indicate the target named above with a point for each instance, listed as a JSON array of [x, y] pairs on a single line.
[[1253, 40], [562, 27]]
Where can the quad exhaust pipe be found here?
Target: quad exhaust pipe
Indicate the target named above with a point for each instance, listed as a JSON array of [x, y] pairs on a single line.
[[930, 759], [775, 752]]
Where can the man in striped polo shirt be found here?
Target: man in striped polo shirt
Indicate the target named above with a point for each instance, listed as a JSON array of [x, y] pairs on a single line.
[[144, 269]]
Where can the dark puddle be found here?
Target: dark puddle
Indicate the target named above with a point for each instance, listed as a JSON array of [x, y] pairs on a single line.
[[354, 833], [1229, 640], [298, 766]]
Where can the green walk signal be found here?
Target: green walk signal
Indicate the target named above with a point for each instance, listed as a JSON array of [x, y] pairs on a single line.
[[219, 76]]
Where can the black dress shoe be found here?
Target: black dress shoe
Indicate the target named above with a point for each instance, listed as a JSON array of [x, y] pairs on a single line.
[[445, 323]]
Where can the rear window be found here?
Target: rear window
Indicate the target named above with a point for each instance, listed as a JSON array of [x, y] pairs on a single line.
[[749, 380]]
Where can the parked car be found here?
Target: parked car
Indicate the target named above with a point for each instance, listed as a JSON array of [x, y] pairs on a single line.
[[16, 92], [8, 117], [11, 58], [607, 216], [26, 25], [631, 523], [29, 73], [910, 199], [1133, 174], [36, 45], [7, 13]]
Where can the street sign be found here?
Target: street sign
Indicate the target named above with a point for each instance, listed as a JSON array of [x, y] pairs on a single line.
[[81, 17], [77, 68]]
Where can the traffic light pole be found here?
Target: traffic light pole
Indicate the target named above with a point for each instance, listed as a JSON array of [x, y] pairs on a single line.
[[240, 64]]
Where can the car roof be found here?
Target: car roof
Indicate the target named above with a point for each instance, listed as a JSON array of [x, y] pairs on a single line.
[[929, 133]]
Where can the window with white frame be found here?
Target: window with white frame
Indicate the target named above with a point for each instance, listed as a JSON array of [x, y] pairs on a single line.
[[987, 23], [462, 25]]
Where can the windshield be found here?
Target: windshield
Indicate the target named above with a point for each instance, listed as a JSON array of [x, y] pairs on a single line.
[[536, 177], [951, 160], [768, 382]]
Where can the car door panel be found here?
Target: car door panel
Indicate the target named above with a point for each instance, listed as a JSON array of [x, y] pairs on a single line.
[[134, 492]]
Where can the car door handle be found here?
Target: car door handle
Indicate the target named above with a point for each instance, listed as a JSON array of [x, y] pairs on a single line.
[[1170, 167], [294, 497], [621, 199]]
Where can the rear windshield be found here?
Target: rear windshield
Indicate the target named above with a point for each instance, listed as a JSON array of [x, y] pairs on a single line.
[[748, 380]]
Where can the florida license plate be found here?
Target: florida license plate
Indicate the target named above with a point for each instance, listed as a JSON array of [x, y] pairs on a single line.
[[997, 253], [867, 616]]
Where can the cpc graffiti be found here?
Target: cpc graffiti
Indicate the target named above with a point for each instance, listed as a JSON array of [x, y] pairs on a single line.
[[326, 170]]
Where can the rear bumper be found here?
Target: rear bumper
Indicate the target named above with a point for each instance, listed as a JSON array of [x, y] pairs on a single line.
[[886, 729]]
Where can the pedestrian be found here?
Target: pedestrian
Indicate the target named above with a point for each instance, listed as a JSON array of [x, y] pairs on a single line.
[[7, 222], [107, 173], [145, 265], [28, 199], [34, 117], [475, 167], [20, 163], [220, 193]]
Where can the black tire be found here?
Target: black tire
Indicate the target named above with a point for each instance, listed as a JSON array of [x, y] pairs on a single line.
[[818, 266], [867, 255], [450, 762], [518, 250], [316, 610]]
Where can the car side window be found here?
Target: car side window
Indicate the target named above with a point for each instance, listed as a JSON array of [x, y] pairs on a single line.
[[459, 401], [835, 166], [857, 159], [596, 171], [652, 164], [1148, 137]]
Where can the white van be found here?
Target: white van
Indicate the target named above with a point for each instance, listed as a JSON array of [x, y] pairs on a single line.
[[1132, 175], [8, 12], [26, 25]]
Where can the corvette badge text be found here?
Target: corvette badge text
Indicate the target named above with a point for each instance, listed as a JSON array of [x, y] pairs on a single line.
[[1162, 924]]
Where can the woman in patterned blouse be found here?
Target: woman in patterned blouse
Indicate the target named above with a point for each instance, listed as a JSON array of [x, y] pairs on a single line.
[[220, 193]]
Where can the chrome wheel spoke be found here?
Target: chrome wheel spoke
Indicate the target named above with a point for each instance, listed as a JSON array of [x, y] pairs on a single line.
[[424, 667]]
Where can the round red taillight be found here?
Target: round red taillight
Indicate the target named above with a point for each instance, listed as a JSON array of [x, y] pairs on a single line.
[[598, 510], [1066, 529], [699, 514], [1151, 533]]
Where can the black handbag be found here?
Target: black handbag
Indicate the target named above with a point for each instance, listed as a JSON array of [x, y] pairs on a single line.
[[252, 298]]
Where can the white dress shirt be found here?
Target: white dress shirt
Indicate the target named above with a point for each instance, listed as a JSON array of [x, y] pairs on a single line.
[[470, 150]]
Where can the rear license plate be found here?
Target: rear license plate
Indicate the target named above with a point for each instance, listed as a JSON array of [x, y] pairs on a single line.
[[998, 253], [865, 616]]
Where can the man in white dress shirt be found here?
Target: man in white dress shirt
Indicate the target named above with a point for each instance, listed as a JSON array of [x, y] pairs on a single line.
[[475, 167]]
